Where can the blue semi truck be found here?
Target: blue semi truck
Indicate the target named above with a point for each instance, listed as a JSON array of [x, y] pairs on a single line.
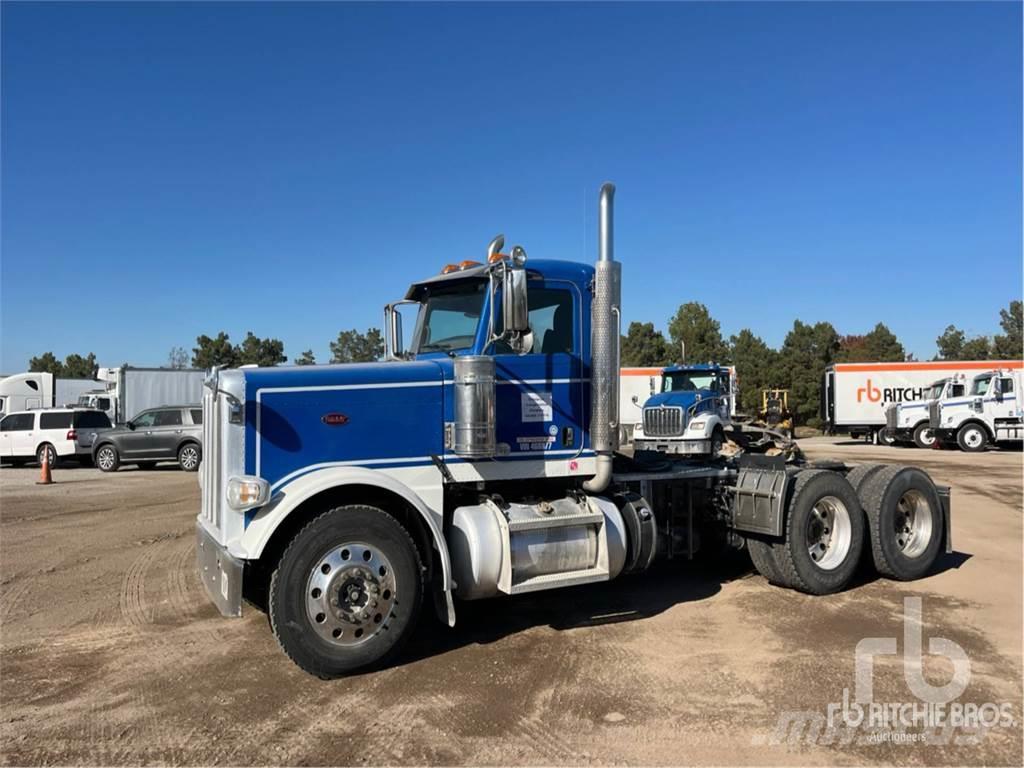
[[483, 460]]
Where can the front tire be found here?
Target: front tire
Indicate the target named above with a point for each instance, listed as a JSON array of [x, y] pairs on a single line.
[[923, 436], [346, 591], [717, 441], [824, 534], [189, 457], [972, 438], [107, 458]]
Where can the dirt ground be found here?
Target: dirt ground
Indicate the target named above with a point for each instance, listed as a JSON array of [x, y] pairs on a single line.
[[111, 653]]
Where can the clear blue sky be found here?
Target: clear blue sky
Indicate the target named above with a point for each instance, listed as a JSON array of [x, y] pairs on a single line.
[[171, 170]]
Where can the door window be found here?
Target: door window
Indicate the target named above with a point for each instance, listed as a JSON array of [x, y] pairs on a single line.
[[1006, 385], [197, 415], [551, 323], [168, 418], [145, 419], [18, 422]]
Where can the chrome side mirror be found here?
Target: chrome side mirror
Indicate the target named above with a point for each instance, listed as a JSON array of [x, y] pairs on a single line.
[[514, 305], [394, 348]]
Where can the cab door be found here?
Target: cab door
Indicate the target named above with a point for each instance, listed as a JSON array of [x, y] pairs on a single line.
[[1003, 398], [541, 395]]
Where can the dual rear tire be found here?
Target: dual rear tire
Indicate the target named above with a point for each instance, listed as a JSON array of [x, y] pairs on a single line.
[[894, 511]]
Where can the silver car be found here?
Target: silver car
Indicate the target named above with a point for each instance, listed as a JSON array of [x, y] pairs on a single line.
[[167, 433]]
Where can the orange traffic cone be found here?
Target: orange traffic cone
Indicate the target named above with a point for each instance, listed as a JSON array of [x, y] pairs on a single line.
[[45, 476]]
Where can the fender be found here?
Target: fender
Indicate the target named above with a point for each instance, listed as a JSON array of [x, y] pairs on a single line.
[[267, 519]]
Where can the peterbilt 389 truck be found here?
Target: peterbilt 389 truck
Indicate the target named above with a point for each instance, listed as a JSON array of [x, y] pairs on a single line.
[[482, 460]]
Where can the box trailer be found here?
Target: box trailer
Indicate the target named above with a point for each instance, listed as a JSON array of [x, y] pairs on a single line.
[[635, 386], [855, 396], [128, 390]]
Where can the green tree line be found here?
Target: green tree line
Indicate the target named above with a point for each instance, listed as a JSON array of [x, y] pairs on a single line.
[[799, 364]]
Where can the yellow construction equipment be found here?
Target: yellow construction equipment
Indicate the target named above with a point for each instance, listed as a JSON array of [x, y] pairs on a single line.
[[775, 411]]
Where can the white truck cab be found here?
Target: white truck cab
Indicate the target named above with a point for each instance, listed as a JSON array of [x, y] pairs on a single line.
[[988, 412], [907, 422]]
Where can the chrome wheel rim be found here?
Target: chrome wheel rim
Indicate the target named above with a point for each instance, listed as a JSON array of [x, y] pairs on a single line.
[[350, 594], [927, 437], [105, 458], [189, 458], [913, 523], [973, 438], [47, 454], [829, 533]]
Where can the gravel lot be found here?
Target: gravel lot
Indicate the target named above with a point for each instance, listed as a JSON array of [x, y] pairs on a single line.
[[111, 653]]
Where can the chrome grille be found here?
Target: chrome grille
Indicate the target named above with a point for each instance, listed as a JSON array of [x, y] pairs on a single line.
[[663, 421], [890, 416], [933, 415], [211, 459]]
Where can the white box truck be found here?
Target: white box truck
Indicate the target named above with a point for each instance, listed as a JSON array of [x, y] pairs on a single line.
[[855, 396], [129, 390]]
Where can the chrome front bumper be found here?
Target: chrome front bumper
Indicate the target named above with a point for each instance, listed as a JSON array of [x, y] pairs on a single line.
[[220, 573], [674, 445]]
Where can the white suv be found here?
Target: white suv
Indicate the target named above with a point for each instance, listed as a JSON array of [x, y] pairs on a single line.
[[26, 435]]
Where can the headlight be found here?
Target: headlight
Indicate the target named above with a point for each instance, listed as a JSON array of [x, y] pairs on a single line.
[[246, 492], [696, 425]]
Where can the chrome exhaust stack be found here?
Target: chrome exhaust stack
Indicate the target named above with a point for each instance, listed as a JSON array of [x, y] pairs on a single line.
[[605, 330]]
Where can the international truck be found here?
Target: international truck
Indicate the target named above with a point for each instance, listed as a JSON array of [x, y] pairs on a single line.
[[482, 461], [127, 391], [855, 396], [29, 391], [987, 409], [692, 412]]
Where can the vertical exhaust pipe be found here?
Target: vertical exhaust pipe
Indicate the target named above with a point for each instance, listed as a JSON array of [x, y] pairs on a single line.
[[605, 328]]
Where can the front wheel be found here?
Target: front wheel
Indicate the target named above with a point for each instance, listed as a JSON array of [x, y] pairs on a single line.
[[824, 534], [346, 592], [188, 457], [717, 441], [923, 436], [972, 438], [107, 458]]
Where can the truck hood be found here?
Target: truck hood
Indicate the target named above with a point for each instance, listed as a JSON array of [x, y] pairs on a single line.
[[345, 375], [681, 399]]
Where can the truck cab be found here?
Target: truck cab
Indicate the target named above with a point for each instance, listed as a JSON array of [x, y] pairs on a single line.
[[907, 422], [690, 414], [990, 412]]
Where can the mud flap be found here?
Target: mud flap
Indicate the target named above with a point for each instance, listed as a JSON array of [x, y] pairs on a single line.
[[760, 496], [947, 514]]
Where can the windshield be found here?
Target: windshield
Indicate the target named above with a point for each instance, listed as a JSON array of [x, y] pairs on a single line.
[[449, 317], [936, 391], [689, 381], [980, 386]]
